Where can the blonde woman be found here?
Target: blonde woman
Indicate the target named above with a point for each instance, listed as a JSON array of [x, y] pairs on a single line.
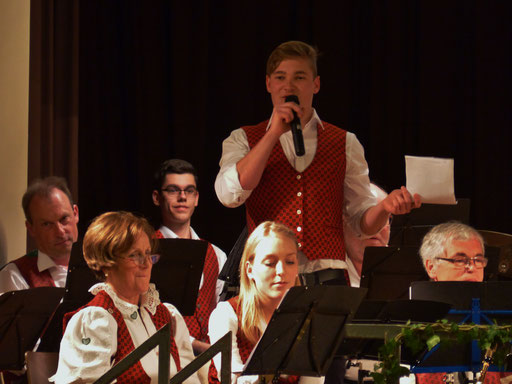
[[268, 268]]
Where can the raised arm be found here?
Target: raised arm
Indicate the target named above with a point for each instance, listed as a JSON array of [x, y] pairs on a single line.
[[398, 202], [251, 167]]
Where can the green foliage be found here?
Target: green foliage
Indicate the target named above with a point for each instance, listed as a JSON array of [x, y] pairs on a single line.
[[418, 337]]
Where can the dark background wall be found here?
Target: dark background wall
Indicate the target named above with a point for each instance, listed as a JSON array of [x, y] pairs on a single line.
[[163, 79]]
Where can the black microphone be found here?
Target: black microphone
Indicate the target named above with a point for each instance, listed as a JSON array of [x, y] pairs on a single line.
[[298, 140]]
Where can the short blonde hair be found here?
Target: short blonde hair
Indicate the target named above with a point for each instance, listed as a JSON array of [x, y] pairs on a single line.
[[249, 300], [292, 50], [110, 235]]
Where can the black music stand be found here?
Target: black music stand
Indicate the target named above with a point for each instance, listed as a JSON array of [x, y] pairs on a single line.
[[177, 276], [388, 272], [23, 316], [471, 301], [305, 331], [230, 273], [409, 229]]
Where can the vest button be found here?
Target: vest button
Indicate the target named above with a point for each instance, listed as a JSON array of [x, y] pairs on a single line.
[[299, 177], [299, 244], [299, 194], [299, 211], [299, 229]]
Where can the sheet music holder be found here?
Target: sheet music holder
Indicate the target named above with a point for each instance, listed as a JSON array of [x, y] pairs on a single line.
[[388, 272], [305, 331], [177, 276], [23, 316], [494, 296], [409, 229], [230, 273]]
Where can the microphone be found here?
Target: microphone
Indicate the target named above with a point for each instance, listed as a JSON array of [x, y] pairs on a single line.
[[298, 139]]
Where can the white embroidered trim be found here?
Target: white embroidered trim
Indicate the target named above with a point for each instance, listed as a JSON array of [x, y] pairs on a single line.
[[150, 299]]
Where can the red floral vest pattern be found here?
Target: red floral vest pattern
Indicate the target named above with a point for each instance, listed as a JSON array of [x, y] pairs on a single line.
[[28, 268], [206, 299], [309, 202], [439, 377], [136, 373], [245, 348]]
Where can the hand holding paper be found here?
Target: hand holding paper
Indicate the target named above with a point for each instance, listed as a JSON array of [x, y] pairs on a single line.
[[431, 178]]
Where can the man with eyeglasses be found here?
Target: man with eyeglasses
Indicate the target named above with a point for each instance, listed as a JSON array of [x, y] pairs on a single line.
[[175, 193], [453, 252]]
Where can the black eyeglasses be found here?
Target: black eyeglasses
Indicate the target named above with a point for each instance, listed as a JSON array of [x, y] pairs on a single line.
[[140, 259], [463, 262], [175, 191]]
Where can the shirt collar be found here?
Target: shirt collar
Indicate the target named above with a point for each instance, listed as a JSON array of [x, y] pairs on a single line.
[[311, 124], [169, 234], [149, 300], [44, 261]]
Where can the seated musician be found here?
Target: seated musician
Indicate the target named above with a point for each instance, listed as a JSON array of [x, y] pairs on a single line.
[[268, 268], [454, 252], [125, 311]]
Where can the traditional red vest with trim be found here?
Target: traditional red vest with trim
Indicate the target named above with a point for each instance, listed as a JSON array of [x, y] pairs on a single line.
[[28, 268], [136, 373], [206, 299], [309, 202], [206, 302], [245, 348]]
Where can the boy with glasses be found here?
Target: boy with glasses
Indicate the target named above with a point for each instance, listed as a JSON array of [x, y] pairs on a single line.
[[175, 193]]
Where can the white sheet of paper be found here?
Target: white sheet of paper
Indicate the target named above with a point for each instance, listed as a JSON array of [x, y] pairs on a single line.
[[432, 178]]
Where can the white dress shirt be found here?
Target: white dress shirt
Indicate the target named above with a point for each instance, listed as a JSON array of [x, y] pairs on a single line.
[[12, 280], [357, 194], [354, 277], [222, 320], [90, 340]]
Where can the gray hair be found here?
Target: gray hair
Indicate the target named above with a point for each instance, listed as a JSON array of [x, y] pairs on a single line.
[[434, 242]]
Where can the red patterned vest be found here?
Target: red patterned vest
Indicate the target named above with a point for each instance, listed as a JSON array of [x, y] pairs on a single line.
[[206, 299], [136, 373], [245, 348], [309, 202], [28, 268], [439, 377]]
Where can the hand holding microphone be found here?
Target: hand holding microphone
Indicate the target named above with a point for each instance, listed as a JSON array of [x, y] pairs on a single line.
[[298, 140]]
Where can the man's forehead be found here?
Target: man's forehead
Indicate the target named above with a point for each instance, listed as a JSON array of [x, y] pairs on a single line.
[[467, 247], [179, 179], [294, 65], [50, 208]]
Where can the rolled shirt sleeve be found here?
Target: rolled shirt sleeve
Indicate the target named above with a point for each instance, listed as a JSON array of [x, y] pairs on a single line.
[[227, 184]]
